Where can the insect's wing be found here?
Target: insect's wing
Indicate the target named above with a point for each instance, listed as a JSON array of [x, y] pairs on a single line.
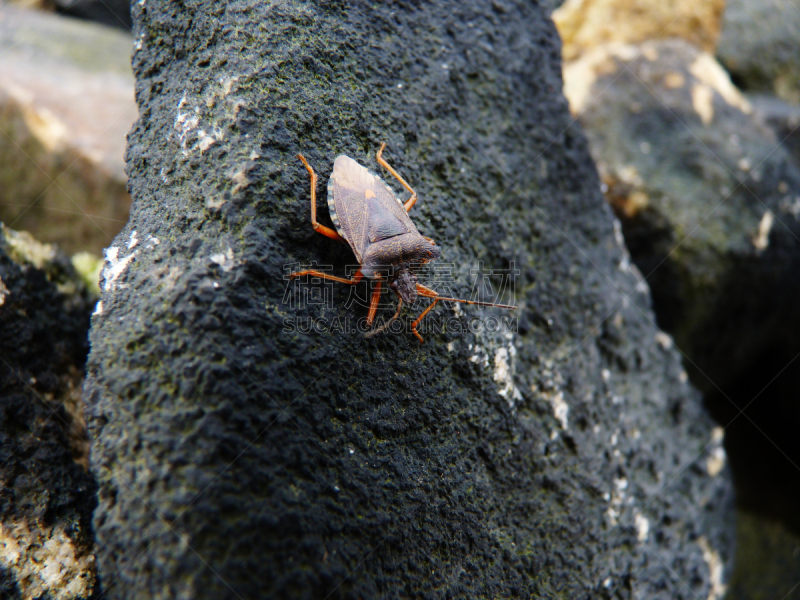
[[363, 208]]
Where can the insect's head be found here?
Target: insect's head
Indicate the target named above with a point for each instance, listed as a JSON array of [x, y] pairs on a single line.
[[404, 279], [405, 284]]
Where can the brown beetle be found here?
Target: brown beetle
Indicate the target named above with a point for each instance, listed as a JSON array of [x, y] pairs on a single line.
[[370, 218]]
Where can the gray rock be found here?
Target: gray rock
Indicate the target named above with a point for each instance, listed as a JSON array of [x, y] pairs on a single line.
[[784, 119], [709, 201], [47, 495], [66, 104], [760, 46], [240, 455]]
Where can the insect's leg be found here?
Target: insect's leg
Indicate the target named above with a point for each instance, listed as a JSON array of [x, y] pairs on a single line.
[[318, 227], [419, 318], [385, 326], [373, 305], [411, 201], [425, 291], [356, 278]]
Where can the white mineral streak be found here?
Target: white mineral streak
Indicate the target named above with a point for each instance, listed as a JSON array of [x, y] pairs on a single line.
[[761, 239], [503, 374], [223, 259], [45, 562], [187, 128], [706, 69], [716, 460], [560, 408], [114, 267], [663, 340], [480, 356], [715, 570], [616, 500], [642, 527], [703, 102]]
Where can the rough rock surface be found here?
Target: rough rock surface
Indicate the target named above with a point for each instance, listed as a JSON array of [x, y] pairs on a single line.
[[585, 24], [239, 454], [760, 46], [66, 104], [46, 493], [710, 201]]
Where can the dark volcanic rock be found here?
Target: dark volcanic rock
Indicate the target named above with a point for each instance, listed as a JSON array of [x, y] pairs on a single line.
[[241, 455], [709, 201], [46, 495]]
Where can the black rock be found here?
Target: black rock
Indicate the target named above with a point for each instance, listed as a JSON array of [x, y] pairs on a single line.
[[115, 13], [246, 444], [47, 495], [709, 201]]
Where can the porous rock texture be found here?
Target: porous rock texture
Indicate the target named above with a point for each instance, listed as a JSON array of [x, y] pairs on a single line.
[[242, 453], [46, 492]]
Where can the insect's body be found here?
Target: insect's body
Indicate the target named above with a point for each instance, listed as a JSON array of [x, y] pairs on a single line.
[[368, 216], [376, 225]]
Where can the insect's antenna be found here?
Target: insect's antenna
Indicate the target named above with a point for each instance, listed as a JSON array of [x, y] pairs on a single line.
[[426, 292], [477, 303]]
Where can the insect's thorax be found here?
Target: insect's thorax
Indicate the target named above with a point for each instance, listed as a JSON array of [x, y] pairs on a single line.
[[387, 257]]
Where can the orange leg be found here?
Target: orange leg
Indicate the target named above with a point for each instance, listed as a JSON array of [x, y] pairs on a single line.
[[356, 278], [419, 318], [318, 227], [411, 201], [373, 305], [425, 291], [390, 321]]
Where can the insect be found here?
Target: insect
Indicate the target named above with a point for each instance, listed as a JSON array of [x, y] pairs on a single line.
[[375, 223]]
